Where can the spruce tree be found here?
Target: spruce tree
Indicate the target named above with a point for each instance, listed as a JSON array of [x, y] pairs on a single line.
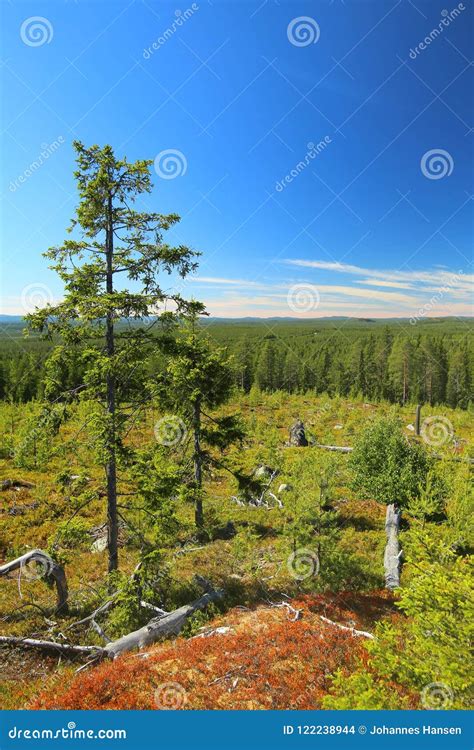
[[197, 379], [112, 279]]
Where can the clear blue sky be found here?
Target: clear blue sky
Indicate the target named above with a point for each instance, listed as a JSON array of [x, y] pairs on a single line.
[[360, 226]]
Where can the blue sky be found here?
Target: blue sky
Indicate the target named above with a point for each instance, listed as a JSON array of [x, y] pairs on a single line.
[[376, 220]]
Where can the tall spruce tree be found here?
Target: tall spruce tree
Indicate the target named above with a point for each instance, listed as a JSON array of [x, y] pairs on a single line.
[[197, 379], [116, 246]]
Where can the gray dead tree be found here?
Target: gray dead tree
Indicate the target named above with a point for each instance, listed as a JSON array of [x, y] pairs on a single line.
[[393, 553], [44, 568], [164, 625]]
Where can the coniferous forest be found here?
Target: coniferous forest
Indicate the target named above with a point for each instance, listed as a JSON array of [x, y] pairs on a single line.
[[295, 495]]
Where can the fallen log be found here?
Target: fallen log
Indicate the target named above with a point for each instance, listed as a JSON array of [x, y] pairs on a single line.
[[156, 629], [162, 626], [338, 448], [436, 456], [392, 554], [48, 569], [353, 631], [8, 484], [67, 649]]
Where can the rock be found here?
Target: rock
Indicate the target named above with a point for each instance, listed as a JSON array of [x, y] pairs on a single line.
[[100, 544], [297, 435], [410, 427], [264, 471], [284, 488], [338, 427]]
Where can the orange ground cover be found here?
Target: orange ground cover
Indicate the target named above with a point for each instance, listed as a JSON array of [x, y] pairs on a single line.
[[263, 660]]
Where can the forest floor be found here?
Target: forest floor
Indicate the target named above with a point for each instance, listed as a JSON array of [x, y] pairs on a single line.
[[259, 657]]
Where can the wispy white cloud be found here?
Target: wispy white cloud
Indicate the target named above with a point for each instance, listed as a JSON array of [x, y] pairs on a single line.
[[381, 282], [435, 276], [220, 280]]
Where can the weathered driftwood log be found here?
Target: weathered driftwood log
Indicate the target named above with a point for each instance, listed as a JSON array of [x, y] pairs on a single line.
[[163, 626], [48, 569], [8, 484], [392, 556], [297, 435]]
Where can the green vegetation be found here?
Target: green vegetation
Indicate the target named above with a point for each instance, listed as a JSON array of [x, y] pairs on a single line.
[[166, 438]]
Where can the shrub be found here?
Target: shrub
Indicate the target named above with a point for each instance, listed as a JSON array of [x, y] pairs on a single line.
[[386, 466]]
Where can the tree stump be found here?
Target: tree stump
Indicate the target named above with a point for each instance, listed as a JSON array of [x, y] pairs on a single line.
[[418, 420], [297, 435]]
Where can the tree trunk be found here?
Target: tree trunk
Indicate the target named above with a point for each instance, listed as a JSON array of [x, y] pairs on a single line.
[[197, 458], [392, 555], [418, 420], [68, 649], [51, 572], [111, 464], [159, 627]]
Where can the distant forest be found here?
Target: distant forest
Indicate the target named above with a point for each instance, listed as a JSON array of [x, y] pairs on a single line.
[[430, 362]]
